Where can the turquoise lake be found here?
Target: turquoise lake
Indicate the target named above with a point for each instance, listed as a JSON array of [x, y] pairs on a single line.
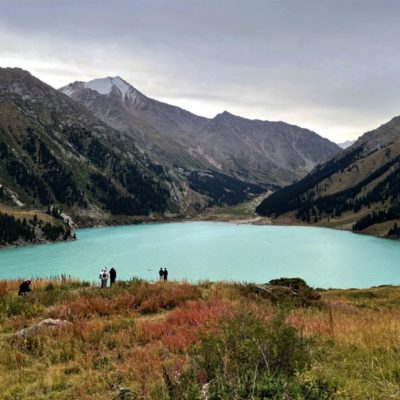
[[214, 251]]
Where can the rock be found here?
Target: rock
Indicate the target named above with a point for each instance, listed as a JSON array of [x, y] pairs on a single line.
[[125, 394], [46, 323], [204, 391]]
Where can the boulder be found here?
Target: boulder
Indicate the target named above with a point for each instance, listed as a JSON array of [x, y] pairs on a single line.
[[48, 323]]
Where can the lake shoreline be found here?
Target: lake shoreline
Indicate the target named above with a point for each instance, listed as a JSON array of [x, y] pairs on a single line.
[[230, 219], [215, 251]]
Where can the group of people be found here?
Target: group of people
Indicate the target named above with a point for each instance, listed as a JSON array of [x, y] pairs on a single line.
[[104, 275], [163, 273]]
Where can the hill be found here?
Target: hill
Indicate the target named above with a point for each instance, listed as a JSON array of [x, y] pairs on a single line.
[[173, 340], [358, 188]]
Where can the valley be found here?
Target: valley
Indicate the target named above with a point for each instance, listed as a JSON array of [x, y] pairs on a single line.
[[199, 200], [106, 154], [103, 154]]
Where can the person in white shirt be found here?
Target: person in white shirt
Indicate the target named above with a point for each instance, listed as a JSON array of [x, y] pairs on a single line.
[[104, 278]]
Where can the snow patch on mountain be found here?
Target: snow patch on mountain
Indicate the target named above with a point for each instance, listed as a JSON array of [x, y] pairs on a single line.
[[68, 90], [105, 85]]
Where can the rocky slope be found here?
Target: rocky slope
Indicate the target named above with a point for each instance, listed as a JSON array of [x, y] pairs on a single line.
[[360, 187], [274, 152], [54, 151], [255, 151], [162, 132], [156, 127]]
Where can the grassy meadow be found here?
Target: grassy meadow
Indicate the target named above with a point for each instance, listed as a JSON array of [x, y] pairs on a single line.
[[208, 340]]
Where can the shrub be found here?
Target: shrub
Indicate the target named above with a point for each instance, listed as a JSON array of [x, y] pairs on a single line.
[[49, 287], [362, 294], [288, 292], [182, 326], [250, 359], [296, 284], [22, 305], [151, 298]]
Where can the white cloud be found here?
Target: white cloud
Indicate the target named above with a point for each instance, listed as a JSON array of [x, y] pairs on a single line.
[[329, 66]]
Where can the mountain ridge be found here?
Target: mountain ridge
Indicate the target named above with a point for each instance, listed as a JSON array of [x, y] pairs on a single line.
[[55, 151], [203, 140]]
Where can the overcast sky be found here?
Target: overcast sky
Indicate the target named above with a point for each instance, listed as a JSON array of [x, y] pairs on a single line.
[[332, 66]]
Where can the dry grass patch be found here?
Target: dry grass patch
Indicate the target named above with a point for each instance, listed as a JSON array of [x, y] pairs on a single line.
[[144, 336]]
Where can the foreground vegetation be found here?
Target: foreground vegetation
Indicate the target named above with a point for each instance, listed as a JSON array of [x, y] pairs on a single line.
[[205, 341]]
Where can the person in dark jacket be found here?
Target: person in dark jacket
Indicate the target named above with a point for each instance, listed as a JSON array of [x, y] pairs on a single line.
[[24, 288], [113, 276], [165, 274], [161, 273]]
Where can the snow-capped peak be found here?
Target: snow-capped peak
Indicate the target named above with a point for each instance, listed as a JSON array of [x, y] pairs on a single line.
[[105, 85], [346, 144]]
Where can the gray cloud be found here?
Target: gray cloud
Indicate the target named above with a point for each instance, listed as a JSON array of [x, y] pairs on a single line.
[[329, 65]]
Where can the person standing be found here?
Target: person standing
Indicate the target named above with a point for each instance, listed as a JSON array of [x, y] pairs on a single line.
[[165, 275], [103, 277], [113, 276], [161, 274]]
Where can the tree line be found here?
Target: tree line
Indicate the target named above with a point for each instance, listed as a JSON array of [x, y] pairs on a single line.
[[14, 230]]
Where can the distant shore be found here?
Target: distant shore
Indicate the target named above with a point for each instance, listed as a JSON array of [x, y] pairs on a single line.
[[239, 214]]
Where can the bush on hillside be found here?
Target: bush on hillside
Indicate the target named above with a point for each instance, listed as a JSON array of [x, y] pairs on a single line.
[[288, 292], [249, 359], [296, 284]]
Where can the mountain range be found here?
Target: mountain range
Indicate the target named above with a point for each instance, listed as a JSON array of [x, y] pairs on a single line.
[[359, 188], [260, 152], [101, 151]]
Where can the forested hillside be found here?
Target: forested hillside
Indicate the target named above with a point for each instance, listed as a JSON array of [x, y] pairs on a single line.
[[14, 231], [53, 151], [360, 186]]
